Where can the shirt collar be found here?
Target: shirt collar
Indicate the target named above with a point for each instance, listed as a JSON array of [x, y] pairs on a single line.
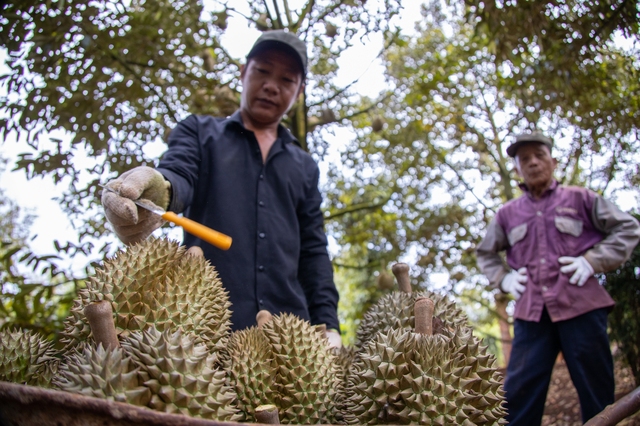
[[283, 133], [552, 187]]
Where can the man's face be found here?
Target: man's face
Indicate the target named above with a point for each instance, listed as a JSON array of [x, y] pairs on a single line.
[[271, 82], [535, 165]]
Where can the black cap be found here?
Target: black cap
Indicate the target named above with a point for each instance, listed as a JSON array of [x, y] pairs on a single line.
[[280, 39], [526, 138]]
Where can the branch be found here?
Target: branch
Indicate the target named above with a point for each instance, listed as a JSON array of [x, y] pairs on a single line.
[[345, 266], [460, 178], [345, 88], [487, 306], [358, 207], [610, 172], [608, 22], [497, 156], [278, 17], [287, 12], [612, 414], [303, 14]]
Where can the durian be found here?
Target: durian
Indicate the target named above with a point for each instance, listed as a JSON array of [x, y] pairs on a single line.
[[26, 358], [154, 283], [404, 377], [395, 310], [251, 369], [307, 377], [181, 374], [102, 373]]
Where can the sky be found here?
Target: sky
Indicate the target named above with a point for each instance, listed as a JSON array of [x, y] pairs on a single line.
[[37, 196]]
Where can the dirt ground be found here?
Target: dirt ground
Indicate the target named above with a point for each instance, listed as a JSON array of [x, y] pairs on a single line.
[[562, 407]]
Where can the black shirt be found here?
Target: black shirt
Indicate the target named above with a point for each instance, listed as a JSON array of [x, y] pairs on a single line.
[[278, 260]]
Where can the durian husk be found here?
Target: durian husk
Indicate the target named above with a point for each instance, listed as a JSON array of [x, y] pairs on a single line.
[[154, 283], [102, 373], [402, 377], [181, 374], [27, 358], [344, 358], [252, 368], [307, 376], [395, 311]]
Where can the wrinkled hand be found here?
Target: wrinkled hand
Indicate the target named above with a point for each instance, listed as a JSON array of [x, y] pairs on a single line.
[[131, 223], [581, 268], [513, 282], [335, 341]]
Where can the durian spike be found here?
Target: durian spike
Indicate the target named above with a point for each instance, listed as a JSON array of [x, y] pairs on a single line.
[[322, 328], [263, 317], [267, 414], [423, 311], [100, 317], [401, 271], [195, 251]]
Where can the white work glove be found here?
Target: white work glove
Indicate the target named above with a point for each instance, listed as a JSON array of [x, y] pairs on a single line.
[[513, 282], [581, 266], [130, 222], [335, 341]]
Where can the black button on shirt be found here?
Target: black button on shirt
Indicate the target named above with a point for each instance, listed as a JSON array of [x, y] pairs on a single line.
[[217, 180]]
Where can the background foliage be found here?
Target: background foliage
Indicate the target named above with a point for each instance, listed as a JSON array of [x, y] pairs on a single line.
[[424, 169], [623, 285]]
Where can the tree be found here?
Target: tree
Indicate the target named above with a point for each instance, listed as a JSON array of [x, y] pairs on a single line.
[[117, 76], [35, 293], [429, 181], [623, 285]]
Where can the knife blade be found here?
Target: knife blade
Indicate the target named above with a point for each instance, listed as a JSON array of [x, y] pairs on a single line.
[[213, 237]]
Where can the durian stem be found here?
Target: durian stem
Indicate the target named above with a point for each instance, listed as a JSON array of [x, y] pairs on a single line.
[[401, 272], [263, 317], [267, 414], [423, 311], [100, 316], [195, 251]]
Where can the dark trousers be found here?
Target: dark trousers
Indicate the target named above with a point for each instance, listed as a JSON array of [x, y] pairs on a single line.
[[585, 346]]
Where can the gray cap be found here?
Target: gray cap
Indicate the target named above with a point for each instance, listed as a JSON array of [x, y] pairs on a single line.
[[526, 138], [280, 39]]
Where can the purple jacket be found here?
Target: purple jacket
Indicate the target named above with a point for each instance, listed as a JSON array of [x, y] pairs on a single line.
[[565, 221]]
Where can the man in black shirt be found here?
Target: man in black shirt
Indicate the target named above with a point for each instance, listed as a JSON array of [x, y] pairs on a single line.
[[245, 176]]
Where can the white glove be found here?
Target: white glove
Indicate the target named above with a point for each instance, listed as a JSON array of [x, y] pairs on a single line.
[[335, 341], [581, 266], [131, 223], [513, 282]]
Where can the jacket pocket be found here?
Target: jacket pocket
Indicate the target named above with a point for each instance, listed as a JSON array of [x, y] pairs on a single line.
[[517, 234], [566, 225]]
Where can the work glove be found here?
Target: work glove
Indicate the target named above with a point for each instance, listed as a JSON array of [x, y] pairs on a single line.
[[581, 268], [335, 341], [130, 222], [513, 282]]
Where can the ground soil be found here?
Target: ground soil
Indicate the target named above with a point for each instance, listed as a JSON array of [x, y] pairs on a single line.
[[562, 407]]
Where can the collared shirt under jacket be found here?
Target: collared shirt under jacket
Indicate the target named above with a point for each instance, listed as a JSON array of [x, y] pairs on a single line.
[[565, 221], [278, 260]]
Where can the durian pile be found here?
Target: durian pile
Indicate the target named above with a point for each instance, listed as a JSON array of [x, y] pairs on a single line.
[[152, 329]]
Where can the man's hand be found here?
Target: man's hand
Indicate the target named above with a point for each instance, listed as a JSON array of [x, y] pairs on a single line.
[[581, 266], [513, 282], [130, 223], [335, 341]]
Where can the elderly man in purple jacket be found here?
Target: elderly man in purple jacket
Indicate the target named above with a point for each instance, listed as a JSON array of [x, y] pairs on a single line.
[[555, 237]]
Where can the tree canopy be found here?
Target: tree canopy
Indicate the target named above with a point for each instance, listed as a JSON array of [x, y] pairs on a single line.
[[426, 166]]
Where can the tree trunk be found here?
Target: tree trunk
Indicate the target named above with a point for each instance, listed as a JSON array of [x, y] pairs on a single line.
[[505, 332]]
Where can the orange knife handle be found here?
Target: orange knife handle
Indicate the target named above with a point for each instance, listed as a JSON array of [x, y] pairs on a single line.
[[215, 238]]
